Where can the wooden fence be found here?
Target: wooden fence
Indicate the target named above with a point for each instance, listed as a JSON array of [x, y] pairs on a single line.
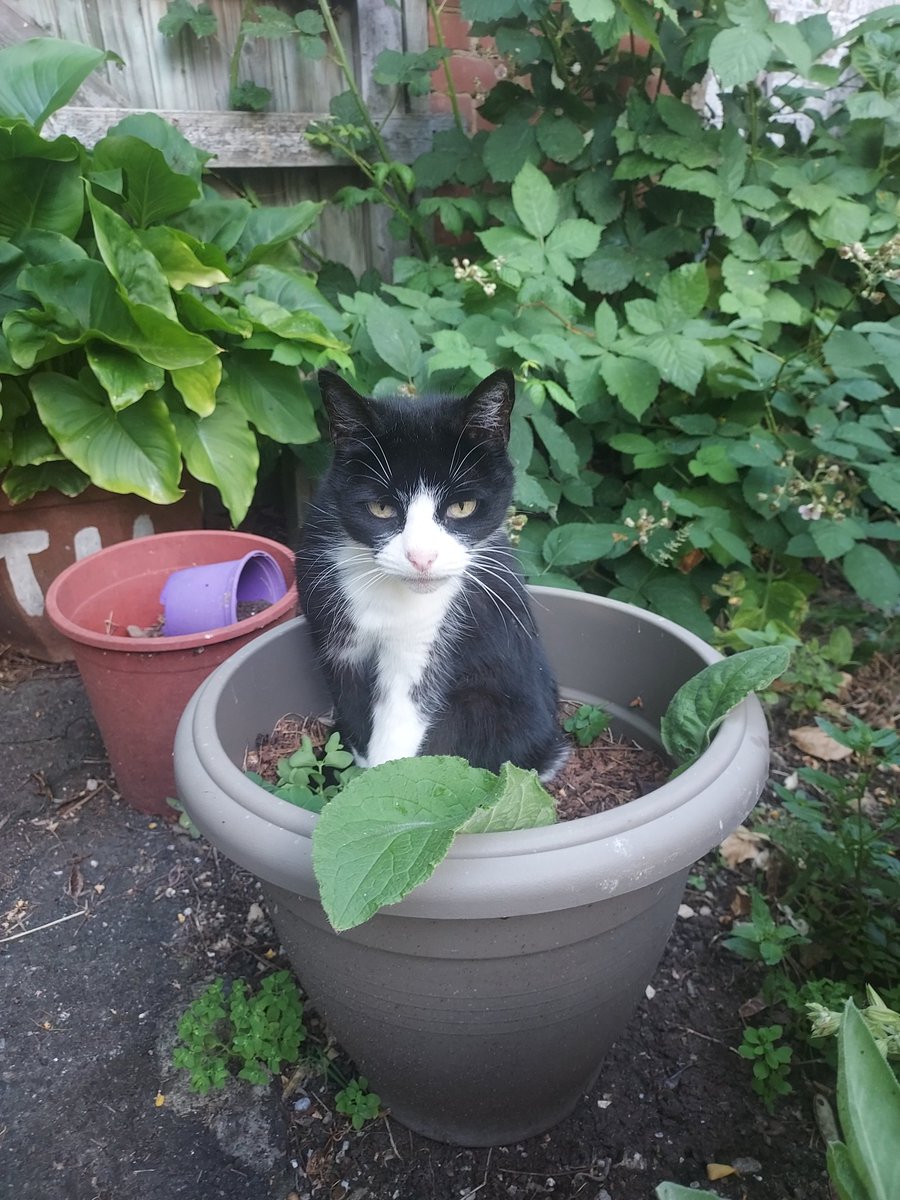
[[186, 80]]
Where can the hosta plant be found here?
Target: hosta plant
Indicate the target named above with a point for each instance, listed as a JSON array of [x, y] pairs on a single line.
[[149, 325]]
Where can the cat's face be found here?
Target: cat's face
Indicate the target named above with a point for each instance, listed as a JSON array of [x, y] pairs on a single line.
[[421, 483]]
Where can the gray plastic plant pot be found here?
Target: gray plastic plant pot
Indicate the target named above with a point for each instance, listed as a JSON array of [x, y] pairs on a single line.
[[481, 1006]]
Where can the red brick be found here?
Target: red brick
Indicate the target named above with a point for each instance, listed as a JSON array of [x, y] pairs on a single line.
[[455, 30], [440, 103], [472, 74]]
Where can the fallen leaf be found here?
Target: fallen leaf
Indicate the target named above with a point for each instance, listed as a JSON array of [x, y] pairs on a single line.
[[815, 741], [745, 846], [160, 1100], [718, 1170], [740, 905], [752, 1007], [99, 888], [75, 885], [637, 702]]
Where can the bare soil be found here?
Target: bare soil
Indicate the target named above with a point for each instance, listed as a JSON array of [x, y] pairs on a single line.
[[110, 923]]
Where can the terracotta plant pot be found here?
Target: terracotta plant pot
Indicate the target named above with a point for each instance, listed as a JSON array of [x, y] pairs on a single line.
[[42, 536], [138, 686], [481, 1006]]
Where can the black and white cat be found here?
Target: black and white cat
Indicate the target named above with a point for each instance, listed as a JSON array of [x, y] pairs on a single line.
[[413, 596]]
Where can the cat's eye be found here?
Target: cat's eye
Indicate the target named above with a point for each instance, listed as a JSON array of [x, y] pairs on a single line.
[[461, 508], [381, 509]]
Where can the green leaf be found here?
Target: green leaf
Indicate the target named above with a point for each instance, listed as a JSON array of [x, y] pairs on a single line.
[[575, 238], [674, 1191], [152, 190], [868, 1099], [535, 201], [520, 802], [388, 829], [271, 397], [704, 701], [40, 183], [134, 450], [738, 55], [21, 483], [679, 359], [221, 449], [559, 138], [268, 22], [682, 294], [843, 223], [632, 381], [40, 75], [840, 1170], [197, 385], [394, 338], [181, 14], [872, 576], [133, 267], [559, 445], [184, 261], [885, 483], [267, 229], [577, 543], [508, 148], [248, 96], [124, 376], [593, 10]]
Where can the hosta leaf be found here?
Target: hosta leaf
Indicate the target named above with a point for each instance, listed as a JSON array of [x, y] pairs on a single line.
[[21, 483], [221, 449], [197, 385], [184, 260], [40, 183], [152, 190], [386, 831], [134, 450], [124, 376], [268, 228], [40, 75], [133, 267], [700, 705], [271, 397]]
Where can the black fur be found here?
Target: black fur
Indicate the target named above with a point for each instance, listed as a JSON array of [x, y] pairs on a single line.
[[488, 686]]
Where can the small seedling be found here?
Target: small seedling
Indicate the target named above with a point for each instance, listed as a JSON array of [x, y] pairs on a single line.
[[761, 939], [309, 777], [771, 1062], [587, 723], [248, 1034], [357, 1102]]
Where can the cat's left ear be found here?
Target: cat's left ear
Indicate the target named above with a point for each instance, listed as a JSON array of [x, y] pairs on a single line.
[[488, 406]]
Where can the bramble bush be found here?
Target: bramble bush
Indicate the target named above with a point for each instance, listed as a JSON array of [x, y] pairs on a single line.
[[695, 282]]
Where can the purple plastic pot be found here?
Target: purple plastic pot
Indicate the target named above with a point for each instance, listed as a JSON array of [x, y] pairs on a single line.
[[207, 597]]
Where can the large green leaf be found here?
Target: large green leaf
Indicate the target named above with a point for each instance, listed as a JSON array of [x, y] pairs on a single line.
[[184, 261], [271, 397], [702, 703], [674, 1191], [385, 832], [632, 381], [133, 267], [21, 483], [521, 802], [739, 55], [40, 75], [292, 289], [535, 202], [40, 183], [152, 190], [124, 376], [221, 449], [134, 450], [268, 228], [197, 385], [81, 302], [868, 1097]]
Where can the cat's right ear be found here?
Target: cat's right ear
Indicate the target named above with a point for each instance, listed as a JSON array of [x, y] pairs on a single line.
[[347, 410]]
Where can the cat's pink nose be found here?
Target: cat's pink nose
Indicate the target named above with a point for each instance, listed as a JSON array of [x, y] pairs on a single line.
[[421, 559]]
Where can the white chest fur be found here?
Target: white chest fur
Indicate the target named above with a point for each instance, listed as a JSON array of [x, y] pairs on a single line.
[[398, 628]]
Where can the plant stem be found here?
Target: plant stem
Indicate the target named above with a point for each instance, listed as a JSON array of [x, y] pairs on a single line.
[[436, 12], [350, 79]]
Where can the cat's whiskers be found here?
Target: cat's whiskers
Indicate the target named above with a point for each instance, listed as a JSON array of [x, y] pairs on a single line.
[[498, 601]]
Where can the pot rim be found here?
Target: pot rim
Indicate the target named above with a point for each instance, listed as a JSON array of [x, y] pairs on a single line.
[[55, 600], [597, 856]]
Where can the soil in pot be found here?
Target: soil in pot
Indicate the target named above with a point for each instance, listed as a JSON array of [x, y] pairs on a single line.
[[610, 771]]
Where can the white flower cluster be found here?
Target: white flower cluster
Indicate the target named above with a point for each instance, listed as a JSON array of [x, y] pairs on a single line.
[[470, 270], [829, 493], [876, 265]]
